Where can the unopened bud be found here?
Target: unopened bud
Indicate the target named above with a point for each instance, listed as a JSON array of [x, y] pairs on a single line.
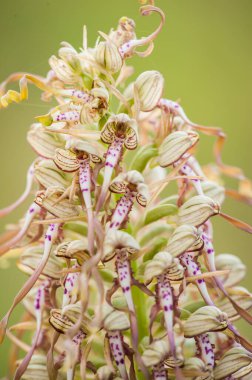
[[239, 295], [205, 319], [149, 86], [74, 249], [236, 362], [213, 191], [42, 142], [184, 238], [234, 265], [197, 210], [164, 262], [108, 56], [48, 175], [31, 258], [116, 320], [156, 352], [50, 202], [175, 146]]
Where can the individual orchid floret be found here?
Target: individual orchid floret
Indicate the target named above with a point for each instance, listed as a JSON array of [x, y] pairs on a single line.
[[50, 200], [108, 56], [205, 319], [80, 160], [132, 185], [184, 238], [197, 210], [125, 31], [43, 142], [119, 131], [48, 175], [129, 48], [236, 363], [163, 262], [175, 145], [149, 88], [73, 250], [67, 68], [240, 296], [237, 269], [121, 244], [114, 323], [154, 356]]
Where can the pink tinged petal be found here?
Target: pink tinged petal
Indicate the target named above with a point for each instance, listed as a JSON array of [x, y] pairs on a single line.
[[68, 116], [193, 269], [124, 278], [33, 210], [113, 157], [50, 237], [29, 181], [165, 297], [121, 211], [85, 186], [70, 288], [116, 348], [159, 372], [205, 349]]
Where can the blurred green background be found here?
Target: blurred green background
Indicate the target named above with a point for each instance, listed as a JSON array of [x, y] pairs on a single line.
[[205, 55]]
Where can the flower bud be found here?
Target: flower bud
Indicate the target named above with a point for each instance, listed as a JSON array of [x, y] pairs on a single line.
[[236, 362], [184, 238], [156, 352], [164, 262], [30, 259], [195, 368], [50, 202], [197, 210], [37, 368], [116, 320], [48, 175], [214, 191], [108, 56], [232, 263], [175, 146], [149, 86], [205, 319], [74, 249], [42, 142], [239, 295]]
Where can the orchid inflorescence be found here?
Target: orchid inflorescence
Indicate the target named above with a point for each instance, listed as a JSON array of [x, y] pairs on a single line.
[[123, 279]]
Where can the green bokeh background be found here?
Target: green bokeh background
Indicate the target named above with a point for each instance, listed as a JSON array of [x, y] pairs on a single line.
[[205, 55]]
